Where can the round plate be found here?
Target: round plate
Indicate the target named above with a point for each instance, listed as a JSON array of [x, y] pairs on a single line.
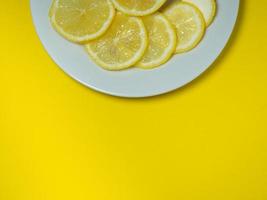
[[180, 70]]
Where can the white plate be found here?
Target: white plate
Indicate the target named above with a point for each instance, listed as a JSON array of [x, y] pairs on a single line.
[[180, 70]]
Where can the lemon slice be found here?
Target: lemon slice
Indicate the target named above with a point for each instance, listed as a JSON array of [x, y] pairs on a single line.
[[122, 45], [189, 23], [162, 41], [81, 20], [138, 7], [207, 7]]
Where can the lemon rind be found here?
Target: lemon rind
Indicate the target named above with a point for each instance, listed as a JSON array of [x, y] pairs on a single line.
[[213, 15]]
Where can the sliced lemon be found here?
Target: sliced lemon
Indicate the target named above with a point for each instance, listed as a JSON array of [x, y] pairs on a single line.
[[81, 20], [138, 7], [162, 41], [122, 45], [207, 7], [189, 23]]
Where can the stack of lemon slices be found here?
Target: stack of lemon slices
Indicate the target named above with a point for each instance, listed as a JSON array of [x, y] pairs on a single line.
[[119, 34]]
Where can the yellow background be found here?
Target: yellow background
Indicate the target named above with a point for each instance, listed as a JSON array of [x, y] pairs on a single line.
[[60, 140]]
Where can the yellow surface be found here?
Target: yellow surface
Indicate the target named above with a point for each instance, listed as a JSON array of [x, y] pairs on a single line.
[[60, 140]]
